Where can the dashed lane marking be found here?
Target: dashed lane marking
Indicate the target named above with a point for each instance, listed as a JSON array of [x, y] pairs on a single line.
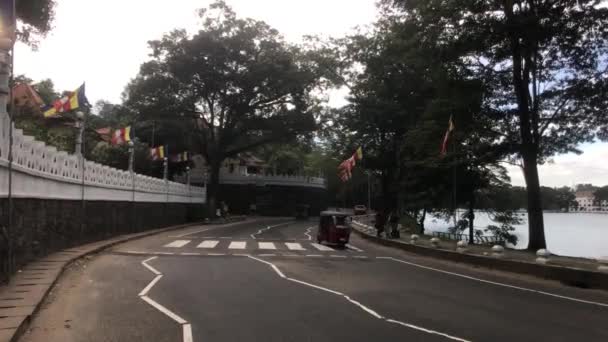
[[294, 246], [349, 246], [237, 245], [322, 247], [266, 245]]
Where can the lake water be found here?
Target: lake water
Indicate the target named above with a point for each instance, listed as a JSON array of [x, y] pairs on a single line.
[[568, 234]]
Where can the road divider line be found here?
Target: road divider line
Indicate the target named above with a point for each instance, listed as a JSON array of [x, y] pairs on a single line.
[[308, 232], [358, 304], [496, 283], [186, 327], [268, 228]]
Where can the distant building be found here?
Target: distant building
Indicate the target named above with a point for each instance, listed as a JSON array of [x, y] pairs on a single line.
[[586, 202]]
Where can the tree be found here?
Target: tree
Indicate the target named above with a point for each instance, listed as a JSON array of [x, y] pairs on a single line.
[[36, 17], [543, 68], [234, 86], [600, 195]]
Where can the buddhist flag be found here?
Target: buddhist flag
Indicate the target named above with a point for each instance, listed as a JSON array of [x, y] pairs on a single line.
[[345, 168], [180, 157], [446, 138], [121, 136], [68, 103], [158, 153]]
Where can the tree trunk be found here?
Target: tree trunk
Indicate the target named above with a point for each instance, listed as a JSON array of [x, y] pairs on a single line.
[[536, 226], [472, 219], [421, 223], [213, 186]]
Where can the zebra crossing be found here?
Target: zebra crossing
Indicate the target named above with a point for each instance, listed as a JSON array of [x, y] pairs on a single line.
[[255, 245]]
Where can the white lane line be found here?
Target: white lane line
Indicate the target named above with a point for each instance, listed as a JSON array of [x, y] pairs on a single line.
[[337, 256], [308, 232], [267, 254], [314, 255], [360, 257], [187, 332], [186, 327], [208, 244], [189, 253], [322, 248], [349, 246], [294, 246], [164, 310], [361, 306], [266, 245], [237, 245], [268, 228], [497, 283], [177, 243], [152, 283], [216, 254], [135, 252], [152, 269]]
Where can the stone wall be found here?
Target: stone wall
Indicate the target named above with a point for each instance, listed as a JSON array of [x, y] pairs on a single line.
[[43, 226]]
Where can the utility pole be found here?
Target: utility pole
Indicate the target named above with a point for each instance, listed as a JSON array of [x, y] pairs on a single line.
[[369, 191]]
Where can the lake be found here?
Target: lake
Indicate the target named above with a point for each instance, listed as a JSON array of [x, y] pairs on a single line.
[[568, 234]]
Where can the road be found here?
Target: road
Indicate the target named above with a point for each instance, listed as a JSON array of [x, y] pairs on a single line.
[[266, 280]]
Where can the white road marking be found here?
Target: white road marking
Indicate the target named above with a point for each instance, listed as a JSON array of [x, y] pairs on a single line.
[[294, 246], [314, 255], [186, 327], [152, 283], [164, 310], [308, 231], [360, 257], [267, 254], [135, 252], [349, 246], [496, 283], [322, 247], [152, 269], [361, 306], [237, 245], [337, 256], [266, 245], [177, 243], [215, 227], [208, 244], [216, 254], [189, 253], [164, 253], [268, 228]]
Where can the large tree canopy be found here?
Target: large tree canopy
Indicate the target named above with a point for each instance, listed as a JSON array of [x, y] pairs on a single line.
[[234, 85], [36, 18]]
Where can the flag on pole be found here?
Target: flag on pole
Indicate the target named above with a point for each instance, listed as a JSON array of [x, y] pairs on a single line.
[[346, 167], [121, 136], [446, 138], [180, 157], [68, 103], [158, 153]]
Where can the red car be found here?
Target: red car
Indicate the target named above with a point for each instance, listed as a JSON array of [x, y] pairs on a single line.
[[334, 228]]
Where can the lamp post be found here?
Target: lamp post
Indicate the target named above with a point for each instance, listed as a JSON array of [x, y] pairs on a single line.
[[131, 155], [79, 137]]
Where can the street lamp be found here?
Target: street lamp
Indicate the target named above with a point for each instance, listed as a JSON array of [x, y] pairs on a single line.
[[79, 137], [165, 168], [131, 155]]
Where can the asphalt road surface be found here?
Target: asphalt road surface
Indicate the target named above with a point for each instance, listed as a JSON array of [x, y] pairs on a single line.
[[267, 280]]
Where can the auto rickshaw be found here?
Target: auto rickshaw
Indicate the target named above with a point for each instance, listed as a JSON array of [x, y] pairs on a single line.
[[302, 211], [334, 228]]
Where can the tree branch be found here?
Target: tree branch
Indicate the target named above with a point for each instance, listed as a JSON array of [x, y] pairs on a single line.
[[553, 116]]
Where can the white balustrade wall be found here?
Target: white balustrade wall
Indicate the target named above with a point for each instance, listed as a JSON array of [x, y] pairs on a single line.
[[40, 171], [262, 180]]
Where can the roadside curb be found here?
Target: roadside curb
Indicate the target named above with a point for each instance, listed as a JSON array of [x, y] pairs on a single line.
[[567, 275], [17, 324]]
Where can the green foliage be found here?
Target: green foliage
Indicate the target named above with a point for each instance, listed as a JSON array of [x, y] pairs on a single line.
[[36, 17], [601, 194], [232, 87], [504, 229]]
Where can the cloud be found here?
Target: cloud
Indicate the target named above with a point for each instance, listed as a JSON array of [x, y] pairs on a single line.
[[571, 169]]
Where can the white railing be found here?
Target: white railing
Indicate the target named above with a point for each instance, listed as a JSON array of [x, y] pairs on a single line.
[[40, 171], [261, 180]]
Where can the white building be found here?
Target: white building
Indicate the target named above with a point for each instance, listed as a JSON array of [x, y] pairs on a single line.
[[586, 202]]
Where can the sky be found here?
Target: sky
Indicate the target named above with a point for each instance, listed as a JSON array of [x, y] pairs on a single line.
[[105, 42]]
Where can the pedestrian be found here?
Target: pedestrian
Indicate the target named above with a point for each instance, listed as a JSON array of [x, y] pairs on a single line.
[[380, 222], [394, 225]]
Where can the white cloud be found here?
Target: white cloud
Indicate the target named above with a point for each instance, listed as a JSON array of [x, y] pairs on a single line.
[[104, 42], [571, 169]]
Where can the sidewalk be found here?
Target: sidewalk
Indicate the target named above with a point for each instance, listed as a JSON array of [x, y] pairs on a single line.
[[573, 271], [22, 296]]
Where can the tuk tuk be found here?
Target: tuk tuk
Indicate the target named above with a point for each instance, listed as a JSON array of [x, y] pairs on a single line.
[[334, 228], [302, 211]]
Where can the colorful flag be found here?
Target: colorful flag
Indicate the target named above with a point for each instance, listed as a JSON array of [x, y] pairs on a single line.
[[158, 153], [68, 103], [345, 168], [446, 138], [121, 136], [180, 157]]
